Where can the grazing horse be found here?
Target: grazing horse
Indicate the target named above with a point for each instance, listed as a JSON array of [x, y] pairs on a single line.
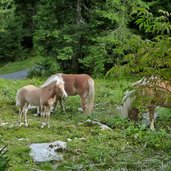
[[43, 97], [77, 84], [150, 93]]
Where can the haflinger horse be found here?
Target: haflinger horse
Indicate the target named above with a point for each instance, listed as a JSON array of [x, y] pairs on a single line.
[[43, 97], [77, 84], [150, 92]]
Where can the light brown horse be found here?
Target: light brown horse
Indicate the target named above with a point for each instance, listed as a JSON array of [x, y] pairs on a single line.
[[43, 97], [77, 84], [150, 92]]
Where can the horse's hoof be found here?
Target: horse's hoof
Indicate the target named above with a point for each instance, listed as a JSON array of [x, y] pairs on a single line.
[[37, 114]]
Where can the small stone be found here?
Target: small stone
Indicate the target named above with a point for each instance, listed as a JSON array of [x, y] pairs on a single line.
[[69, 139]]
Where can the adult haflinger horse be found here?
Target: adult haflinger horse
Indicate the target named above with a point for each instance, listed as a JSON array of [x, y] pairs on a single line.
[[43, 97], [149, 93], [78, 84]]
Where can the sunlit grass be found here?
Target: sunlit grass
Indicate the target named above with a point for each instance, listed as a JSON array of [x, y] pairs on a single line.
[[19, 65], [128, 146]]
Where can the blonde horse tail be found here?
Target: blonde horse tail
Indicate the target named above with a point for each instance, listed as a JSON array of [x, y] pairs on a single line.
[[18, 98], [90, 97], [127, 106]]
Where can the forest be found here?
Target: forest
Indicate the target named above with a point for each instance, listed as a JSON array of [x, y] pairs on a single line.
[[125, 47], [98, 37]]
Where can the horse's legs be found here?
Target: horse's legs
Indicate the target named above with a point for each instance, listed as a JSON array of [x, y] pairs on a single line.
[[55, 104], [21, 112], [38, 111], [83, 103], [20, 115], [83, 96], [42, 115], [151, 117], [47, 113], [62, 104], [25, 114]]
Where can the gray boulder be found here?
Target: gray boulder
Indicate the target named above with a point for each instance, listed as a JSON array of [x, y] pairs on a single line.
[[43, 152]]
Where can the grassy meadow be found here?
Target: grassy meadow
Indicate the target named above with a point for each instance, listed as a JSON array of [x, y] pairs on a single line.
[[128, 146], [19, 65]]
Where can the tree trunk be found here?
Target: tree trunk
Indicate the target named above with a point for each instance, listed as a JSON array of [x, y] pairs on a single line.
[[78, 52]]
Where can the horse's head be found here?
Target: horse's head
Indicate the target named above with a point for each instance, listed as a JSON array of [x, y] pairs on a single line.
[[60, 89]]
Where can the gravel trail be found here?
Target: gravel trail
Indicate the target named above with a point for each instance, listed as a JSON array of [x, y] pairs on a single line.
[[15, 75]]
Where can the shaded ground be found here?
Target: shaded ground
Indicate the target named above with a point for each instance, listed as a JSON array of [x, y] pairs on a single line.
[[15, 75]]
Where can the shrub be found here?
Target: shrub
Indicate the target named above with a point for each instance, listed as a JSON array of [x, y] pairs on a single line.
[[45, 68]]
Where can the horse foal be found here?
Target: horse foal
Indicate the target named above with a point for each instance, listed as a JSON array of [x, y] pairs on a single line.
[[43, 97]]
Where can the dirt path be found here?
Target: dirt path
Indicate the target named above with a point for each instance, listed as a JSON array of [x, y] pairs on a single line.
[[15, 75]]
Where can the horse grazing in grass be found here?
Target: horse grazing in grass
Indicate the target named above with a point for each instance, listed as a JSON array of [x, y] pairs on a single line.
[[150, 92], [43, 97], [77, 84]]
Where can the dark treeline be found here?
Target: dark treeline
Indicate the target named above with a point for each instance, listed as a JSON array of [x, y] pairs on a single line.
[[92, 36]]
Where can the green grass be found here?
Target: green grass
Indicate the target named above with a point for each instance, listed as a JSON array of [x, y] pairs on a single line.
[[128, 146], [19, 65]]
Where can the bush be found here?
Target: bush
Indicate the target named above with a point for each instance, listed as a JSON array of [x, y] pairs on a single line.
[[45, 68]]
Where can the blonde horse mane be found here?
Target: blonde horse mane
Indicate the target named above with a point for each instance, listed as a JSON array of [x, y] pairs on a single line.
[[53, 78]]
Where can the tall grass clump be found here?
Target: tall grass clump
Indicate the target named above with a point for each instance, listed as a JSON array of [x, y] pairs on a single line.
[[4, 160]]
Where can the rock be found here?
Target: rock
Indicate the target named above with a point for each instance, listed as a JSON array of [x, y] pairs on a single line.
[[20, 139], [43, 152], [4, 123], [102, 126], [69, 139]]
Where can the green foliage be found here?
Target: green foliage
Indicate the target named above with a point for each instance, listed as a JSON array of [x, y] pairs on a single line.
[[6, 12], [152, 58], [51, 40], [146, 56], [20, 65], [4, 161], [112, 19], [147, 138], [10, 34], [89, 40], [149, 57], [96, 37], [149, 23], [45, 68]]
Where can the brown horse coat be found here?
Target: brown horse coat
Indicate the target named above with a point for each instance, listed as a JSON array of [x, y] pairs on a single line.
[[157, 92], [78, 84]]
